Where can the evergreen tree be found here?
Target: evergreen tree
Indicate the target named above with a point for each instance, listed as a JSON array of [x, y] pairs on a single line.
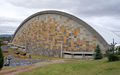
[[97, 53], [1, 57], [118, 50], [113, 52], [112, 56]]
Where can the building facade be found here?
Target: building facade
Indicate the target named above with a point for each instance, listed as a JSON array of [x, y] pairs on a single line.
[[57, 34]]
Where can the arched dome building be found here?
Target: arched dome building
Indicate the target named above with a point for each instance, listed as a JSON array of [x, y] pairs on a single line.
[[57, 34]]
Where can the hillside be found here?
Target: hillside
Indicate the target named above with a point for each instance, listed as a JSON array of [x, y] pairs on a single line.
[[82, 67], [6, 35]]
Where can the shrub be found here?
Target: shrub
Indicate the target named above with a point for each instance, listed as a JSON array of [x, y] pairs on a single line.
[[97, 53], [118, 50], [113, 53], [113, 57], [1, 58]]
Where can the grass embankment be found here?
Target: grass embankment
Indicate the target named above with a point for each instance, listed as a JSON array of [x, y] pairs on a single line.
[[83, 67]]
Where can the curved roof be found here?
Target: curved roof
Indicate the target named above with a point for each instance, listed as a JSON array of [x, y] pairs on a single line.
[[88, 27]]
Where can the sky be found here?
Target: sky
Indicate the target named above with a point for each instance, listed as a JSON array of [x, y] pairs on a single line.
[[102, 15]]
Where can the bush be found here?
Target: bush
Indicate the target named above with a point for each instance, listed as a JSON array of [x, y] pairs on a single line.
[[113, 57], [1, 58], [118, 50], [97, 53], [113, 54]]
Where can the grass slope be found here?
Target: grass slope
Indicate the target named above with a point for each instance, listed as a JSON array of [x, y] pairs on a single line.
[[90, 67]]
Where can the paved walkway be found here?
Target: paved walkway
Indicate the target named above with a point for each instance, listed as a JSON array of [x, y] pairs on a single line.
[[32, 66]]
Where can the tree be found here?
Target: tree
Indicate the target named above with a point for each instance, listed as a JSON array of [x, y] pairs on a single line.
[[1, 57], [111, 55], [118, 50], [113, 52], [97, 53]]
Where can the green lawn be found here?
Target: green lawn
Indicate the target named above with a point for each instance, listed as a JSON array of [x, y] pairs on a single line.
[[83, 67]]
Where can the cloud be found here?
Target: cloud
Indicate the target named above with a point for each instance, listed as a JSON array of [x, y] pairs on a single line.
[[100, 8], [83, 7], [36, 4], [7, 29], [7, 19], [108, 23], [102, 15], [107, 35], [109, 28]]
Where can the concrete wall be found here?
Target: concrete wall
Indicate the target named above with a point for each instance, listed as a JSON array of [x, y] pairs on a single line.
[[48, 34]]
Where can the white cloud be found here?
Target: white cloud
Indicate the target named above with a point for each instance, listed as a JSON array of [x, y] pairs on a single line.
[[100, 14]]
